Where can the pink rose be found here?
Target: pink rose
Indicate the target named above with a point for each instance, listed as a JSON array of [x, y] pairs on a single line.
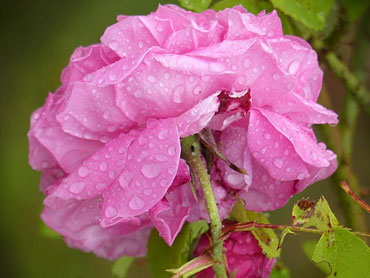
[[108, 140], [244, 257]]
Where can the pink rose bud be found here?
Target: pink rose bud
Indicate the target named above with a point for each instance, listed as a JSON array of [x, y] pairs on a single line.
[[244, 257], [108, 140]]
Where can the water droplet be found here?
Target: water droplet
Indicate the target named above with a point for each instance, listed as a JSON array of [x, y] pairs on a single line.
[[263, 150], [77, 187], [197, 90], [278, 162], [271, 187], [110, 212], [103, 166], [234, 179], [138, 93], [113, 45], [314, 156], [267, 136], [113, 77], [171, 150], [247, 62], [166, 76], [276, 76], [178, 94], [151, 79], [140, 44], [147, 192], [301, 176], [142, 140], [112, 174], [160, 157], [136, 203], [293, 67], [83, 172], [101, 186], [163, 134], [163, 183], [151, 170]]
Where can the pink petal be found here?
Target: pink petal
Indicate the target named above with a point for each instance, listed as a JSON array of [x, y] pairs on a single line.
[[167, 85], [272, 150], [182, 175], [243, 25], [129, 37], [96, 173], [78, 223], [197, 118], [233, 142], [168, 217], [303, 110], [194, 36], [91, 113], [153, 159], [49, 143], [85, 60], [265, 192], [302, 139]]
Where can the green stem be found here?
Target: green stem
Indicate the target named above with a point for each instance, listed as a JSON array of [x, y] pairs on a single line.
[[191, 152], [254, 225]]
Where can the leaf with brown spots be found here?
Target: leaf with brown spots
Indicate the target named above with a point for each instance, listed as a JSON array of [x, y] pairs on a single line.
[[307, 213]]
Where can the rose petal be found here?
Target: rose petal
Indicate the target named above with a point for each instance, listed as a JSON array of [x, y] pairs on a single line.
[[272, 150], [91, 113], [152, 163], [168, 217], [78, 222], [197, 118]]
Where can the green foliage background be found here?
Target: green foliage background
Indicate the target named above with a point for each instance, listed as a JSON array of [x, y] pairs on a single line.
[[37, 39]]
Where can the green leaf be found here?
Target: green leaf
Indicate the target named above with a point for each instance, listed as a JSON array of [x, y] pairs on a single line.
[[285, 22], [162, 257], [308, 213], [196, 5], [250, 5], [121, 266], [346, 255], [193, 267], [308, 249], [267, 238], [280, 271], [312, 13], [355, 8]]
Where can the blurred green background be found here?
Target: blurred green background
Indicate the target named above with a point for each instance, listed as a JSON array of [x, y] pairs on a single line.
[[37, 39]]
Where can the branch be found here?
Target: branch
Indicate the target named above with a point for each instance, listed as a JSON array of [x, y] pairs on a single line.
[[253, 225], [192, 154]]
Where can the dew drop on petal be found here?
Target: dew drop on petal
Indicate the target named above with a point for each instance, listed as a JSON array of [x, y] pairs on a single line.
[[103, 166], [247, 62], [136, 203], [278, 162], [293, 67], [163, 134], [234, 179], [83, 171], [150, 171], [171, 150], [77, 187], [110, 212]]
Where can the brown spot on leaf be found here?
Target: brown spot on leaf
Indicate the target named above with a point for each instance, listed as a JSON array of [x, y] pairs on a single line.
[[306, 204]]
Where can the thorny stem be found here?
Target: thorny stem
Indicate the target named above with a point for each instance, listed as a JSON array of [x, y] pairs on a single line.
[[191, 152], [354, 196], [254, 225]]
